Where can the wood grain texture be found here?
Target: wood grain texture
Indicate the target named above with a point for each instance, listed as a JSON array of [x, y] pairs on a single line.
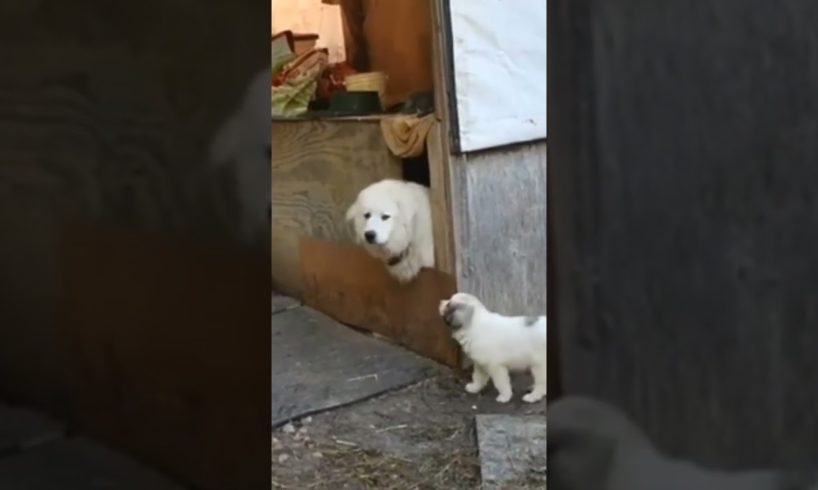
[[686, 221], [346, 283], [440, 198], [498, 201], [439, 152], [318, 168], [439, 62]]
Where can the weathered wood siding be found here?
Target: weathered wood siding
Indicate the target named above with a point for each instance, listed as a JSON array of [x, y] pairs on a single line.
[[499, 214], [683, 177]]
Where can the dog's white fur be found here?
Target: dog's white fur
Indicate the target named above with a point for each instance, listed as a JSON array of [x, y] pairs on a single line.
[[398, 218], [594, 446], [242, 142], [498, 344]]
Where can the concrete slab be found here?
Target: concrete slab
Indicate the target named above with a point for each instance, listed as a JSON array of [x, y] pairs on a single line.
[[512, 451], [320, 364], [77, 464], [283, 303], [20, 429]]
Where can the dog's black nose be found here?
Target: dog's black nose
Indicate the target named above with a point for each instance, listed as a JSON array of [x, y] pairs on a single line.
[[369, 236]]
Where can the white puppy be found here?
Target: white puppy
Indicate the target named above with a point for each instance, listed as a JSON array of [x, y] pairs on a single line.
[[393, 221], [498, 344]]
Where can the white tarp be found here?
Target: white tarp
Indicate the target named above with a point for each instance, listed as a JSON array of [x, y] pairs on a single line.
[[499, 54]]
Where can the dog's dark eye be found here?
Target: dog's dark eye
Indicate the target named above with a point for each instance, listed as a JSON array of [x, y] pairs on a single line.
[[385, 217], [367, 215]]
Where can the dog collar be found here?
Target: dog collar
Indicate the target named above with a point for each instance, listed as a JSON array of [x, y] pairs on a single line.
[[395, 260]]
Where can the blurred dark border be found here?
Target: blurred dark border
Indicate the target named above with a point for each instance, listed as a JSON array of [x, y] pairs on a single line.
[[133, 309]]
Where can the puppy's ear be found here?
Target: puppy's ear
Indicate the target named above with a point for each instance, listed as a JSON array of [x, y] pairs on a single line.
[[353, 211], [407, 214], [466, 314]]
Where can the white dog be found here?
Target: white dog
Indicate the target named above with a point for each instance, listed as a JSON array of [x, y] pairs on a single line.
[[498, 344], [594, 446], [393, 221]]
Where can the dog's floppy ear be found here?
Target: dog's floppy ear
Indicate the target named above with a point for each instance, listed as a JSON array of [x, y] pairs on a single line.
[[353, 211], [457, 315], [405, 210], [408, 214]]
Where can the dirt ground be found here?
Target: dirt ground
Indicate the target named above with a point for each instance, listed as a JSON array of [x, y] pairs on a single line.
[[417, 438]]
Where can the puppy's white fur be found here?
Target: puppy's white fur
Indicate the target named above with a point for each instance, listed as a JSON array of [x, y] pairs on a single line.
[[498, 344], [594, 446], [242, 143], [397, 217]]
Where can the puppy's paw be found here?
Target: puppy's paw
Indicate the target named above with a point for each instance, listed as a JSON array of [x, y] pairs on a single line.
[[503, 397], [473, 388], [532, 397]]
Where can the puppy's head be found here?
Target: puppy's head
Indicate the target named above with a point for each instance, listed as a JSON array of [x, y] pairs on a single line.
[[458, 311], [378, 219]]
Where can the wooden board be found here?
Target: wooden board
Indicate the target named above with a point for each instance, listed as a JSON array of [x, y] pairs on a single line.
[[318, 168], [440, 198], [319, 364], [344, 282], [499, 217], [168, 350], [686, 223], [438, 148]]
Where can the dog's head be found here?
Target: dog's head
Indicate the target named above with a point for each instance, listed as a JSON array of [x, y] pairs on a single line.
[[379, 219], [458, 311]]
